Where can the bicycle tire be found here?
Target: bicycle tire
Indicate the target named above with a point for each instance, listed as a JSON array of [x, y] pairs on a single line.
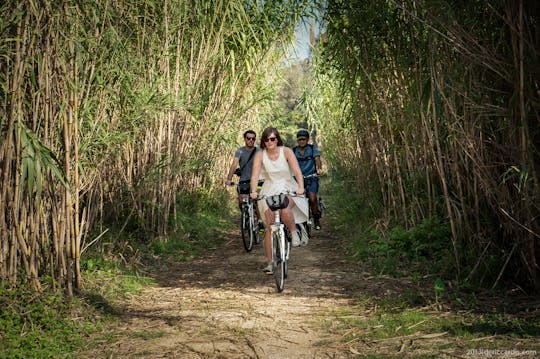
[[287, 253], [253, 226], [259, 237], [247, 235], [307, 226], [279, 261]]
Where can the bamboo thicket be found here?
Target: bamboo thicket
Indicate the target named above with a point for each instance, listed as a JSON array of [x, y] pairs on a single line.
[[112, 109], [442, 119]]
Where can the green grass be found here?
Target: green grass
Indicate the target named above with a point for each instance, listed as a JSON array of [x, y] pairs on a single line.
[[53, 325], [110, 277], [42, 325], [423, 296], [373, 320], [202, 218]]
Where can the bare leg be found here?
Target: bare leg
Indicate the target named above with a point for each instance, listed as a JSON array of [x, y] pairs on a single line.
[[240, 200], [288, 218], [314, 206], [313, 203]]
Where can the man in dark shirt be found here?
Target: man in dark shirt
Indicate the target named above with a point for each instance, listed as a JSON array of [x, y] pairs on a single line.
[[309, 160]]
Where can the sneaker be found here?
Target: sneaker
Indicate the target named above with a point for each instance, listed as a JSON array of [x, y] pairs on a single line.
[[305, 237], [295, 239], [268, 269], [317, 225]]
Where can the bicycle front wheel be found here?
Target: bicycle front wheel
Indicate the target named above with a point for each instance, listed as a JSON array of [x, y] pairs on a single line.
[[253, 227], [247, 233], [279, 261]]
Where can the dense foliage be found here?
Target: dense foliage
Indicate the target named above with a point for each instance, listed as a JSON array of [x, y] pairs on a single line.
[[111, 110], [433, 107]]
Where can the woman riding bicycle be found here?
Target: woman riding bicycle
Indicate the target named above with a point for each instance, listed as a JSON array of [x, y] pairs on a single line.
[[277, 164]]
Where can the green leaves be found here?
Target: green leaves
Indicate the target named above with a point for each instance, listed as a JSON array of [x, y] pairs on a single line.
[[36, 160]]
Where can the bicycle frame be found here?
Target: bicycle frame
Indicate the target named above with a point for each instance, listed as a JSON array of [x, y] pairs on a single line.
[[280, 247], [280, 251]]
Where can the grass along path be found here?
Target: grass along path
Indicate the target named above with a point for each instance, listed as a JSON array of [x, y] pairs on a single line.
[[221, 305]]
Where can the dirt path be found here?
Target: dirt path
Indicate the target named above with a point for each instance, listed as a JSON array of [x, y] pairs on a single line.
[[223, 306]]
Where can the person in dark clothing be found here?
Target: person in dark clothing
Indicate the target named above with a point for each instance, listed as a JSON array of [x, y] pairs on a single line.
[[309, 159]]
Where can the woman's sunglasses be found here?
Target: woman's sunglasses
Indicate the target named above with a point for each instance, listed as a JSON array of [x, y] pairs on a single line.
[[272, 139]]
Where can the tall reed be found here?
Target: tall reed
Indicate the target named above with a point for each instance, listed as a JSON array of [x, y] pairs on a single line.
[[442, 119], [112, 109]]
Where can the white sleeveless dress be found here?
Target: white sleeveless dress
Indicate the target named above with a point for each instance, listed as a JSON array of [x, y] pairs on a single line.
[[278, 178]]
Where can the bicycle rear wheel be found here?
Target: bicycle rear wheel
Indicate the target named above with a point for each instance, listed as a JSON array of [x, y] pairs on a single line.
[[247, 233], [307, 225], [260, 236], [321, 206], [279, 262]]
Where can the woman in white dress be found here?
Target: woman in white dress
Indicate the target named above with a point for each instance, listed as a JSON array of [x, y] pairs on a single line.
[[277, 164]]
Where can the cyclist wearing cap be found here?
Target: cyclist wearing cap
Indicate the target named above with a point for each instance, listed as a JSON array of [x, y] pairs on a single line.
[[309, 160]]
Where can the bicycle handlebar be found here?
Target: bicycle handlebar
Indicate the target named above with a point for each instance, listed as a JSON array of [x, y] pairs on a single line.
[[289, 193], [313, 175], [237, 183]]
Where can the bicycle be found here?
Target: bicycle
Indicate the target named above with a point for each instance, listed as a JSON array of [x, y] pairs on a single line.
[[280, 237], [320, 204], [249, 226]]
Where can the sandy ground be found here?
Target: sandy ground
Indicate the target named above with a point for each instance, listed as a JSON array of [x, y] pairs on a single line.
[[222, 306]]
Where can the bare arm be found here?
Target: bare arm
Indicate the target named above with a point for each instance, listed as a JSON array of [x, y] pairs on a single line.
[[295, 168], [318, 164], [255, 171], [233, 167]]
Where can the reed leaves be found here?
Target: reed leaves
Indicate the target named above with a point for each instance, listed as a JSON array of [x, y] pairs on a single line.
[[111, 110], [36, 158], [441, 119]]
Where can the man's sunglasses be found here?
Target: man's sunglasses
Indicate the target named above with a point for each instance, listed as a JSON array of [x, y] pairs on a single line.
[[272, 139], [302, 139], [250, 138]]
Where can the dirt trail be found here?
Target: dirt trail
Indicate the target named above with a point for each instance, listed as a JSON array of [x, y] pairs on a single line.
[[222, 306]]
